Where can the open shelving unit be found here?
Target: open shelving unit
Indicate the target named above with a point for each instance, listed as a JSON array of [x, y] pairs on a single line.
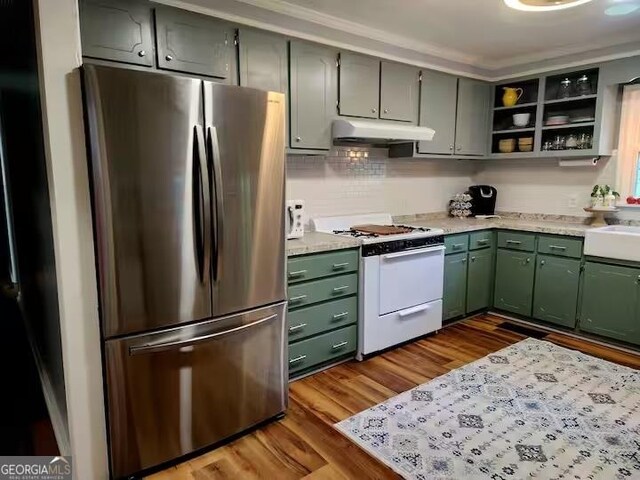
[[542, 98], [502, 123]]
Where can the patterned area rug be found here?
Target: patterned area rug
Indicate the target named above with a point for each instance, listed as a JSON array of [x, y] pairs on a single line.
[[531, 410]]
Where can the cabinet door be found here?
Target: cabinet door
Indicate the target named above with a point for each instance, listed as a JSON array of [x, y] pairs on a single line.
[[455, 285], [117, 30], [399, 92], [472, 119], [610, 298], [189, 42], [359, 85], [314, 92], [438, 98], [514, 281], [555, 297], [263, 61], [480, 279]]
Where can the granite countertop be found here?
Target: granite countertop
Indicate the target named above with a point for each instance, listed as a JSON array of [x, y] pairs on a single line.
[[462, 225], [314, 242]]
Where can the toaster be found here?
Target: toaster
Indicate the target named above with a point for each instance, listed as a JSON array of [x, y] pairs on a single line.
[[294, 214]]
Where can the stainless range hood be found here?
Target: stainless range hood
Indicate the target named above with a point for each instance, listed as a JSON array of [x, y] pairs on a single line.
[[378, 133]]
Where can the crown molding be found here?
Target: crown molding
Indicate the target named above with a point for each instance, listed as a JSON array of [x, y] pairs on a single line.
[[303, 13], [492, 69], [550, 55]]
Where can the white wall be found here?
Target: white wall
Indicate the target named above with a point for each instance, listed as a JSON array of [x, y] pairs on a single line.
[[541, 186], [58, 33], [338, 185]]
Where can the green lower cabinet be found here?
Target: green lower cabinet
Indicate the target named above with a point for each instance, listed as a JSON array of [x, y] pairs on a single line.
[[514, 281], [323, 348], [555, 297], [480, 279], [611, 301], [455, 285]]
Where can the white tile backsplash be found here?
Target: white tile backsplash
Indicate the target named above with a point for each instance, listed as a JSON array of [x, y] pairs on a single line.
[[340, 185]]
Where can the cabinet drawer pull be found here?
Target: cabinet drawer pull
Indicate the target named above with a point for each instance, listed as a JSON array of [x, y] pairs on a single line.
[[557, 247], [542, 262], [298, 298], [297, 327], [339, 345], [473, 259], [514, 242], [528, 260], [338, 316], [340, 289], [340, 266], [297, 273], [168, 58], [457, 246], [483, 241], [297, 359], [464, 260]]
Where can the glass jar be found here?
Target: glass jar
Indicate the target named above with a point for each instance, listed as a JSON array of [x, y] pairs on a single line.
[[547, 146], [584, 141], [583, 86], [558, 142], [571, 142], [565, 90]]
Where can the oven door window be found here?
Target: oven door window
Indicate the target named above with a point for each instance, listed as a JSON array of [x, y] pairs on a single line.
[[410, 278]]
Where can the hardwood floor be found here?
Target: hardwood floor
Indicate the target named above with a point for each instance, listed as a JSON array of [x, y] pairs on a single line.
[[305, 445]]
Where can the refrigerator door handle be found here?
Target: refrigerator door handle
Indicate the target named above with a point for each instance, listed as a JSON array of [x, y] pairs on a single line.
[[172, 345], [205, 199], [214, 149]]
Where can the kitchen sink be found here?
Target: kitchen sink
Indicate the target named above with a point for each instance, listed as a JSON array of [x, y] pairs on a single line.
[[615, 241]]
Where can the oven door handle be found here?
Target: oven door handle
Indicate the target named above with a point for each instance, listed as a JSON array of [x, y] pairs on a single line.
[[409, 253], [413, 311]]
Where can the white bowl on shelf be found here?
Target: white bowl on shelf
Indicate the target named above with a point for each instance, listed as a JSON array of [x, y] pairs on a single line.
[[521, 119]]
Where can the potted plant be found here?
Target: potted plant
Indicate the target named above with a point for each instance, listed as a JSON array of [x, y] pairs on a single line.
[[597, 196], [610, 196]]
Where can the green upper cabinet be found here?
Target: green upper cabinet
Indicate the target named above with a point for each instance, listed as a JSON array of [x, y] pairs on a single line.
[[263, 60], [514, 281], [399, 92], [472, 117], [193, 43], [555, 297], [611, 301], [439, 93], [455, 285], [117, 30], [313, 94], [359, 85], [480, 279]]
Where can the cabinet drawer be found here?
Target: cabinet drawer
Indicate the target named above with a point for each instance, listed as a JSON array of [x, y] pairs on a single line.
[[304, 322], [456, 243], [564, 247], [480, 240], [321, 265], [517, 241], [316, 291], [320, 349]]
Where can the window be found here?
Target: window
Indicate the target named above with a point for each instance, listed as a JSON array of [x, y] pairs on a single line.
[[636, 192], [629, 143]]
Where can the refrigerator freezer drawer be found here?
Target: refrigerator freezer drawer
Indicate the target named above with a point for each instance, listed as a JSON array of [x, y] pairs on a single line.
[[178, 390]]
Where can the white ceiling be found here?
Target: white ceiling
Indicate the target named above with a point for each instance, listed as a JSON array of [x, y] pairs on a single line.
[[483, 33]]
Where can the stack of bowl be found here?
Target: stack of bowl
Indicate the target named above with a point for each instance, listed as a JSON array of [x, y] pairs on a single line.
[[507, 145], [525, 144]]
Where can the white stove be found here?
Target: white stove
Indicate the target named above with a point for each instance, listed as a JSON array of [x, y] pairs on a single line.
[[401, 279], [344, 225]]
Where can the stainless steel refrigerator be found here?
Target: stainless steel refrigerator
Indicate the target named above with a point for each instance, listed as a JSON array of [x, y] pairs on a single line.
[[188, 200]]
